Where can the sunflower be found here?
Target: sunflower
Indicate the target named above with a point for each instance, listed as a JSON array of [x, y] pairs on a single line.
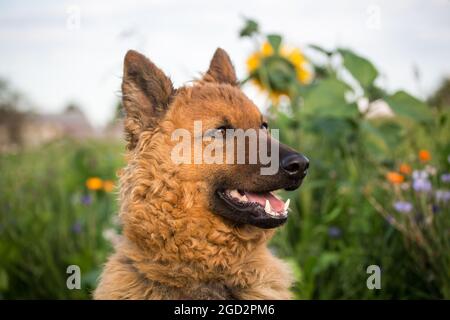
[[278, 71]]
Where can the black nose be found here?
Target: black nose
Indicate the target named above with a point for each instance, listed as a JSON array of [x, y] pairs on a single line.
[[295, 164]]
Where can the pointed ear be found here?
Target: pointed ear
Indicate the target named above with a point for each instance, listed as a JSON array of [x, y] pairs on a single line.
[[221, 69], [146, 95]]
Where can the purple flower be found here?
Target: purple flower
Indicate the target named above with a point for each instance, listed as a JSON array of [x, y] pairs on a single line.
[[445, 178], [390, 219], [423, 185], [403, 206], [334, 232], [419, 218], [435, 208], [442, 196], [76, 227], [86, 199], [420, 181]]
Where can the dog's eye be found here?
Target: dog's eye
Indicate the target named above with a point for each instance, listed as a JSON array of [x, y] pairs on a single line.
[[264, 126], [222, 130]]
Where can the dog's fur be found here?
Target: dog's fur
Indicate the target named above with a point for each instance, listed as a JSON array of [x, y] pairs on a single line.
[[173, 245]]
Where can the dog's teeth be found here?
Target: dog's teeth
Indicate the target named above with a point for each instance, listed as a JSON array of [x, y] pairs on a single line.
[[268, 208], [235, 194], [244, 198], [286, 205]]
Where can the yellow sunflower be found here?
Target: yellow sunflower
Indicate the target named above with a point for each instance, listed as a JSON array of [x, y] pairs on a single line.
[[275, 72]]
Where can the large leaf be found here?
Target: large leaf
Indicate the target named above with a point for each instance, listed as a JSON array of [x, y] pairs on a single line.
[[381, 136], [361, 69], [403, 104], [331, 128], [327, 99]]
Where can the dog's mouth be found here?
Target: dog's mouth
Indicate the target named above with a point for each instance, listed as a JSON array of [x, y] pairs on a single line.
[[261, 209]]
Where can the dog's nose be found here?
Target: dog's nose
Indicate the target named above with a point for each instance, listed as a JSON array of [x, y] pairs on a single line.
[[295, 164]]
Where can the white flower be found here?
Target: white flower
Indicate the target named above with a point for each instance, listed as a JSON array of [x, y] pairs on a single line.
[[111, 235], [431, 170], [405, 186], [420, 175]]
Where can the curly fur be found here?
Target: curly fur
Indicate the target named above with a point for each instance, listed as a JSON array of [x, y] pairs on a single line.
[[173, 246]]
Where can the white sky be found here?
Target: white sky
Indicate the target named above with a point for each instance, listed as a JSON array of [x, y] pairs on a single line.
[[52, 61]]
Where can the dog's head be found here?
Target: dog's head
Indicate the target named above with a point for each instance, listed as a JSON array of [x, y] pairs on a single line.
[[235, 193]]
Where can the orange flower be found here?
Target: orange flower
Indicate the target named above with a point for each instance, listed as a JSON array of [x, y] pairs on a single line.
[[405, 169], [424, 155], [94, 183], [108, 185], [395, 177]]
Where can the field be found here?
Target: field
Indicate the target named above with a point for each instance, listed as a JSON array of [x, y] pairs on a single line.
[[377, 192], [51, 219]]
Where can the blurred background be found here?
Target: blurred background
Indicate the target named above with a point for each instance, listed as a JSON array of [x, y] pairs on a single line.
[[361, 87]]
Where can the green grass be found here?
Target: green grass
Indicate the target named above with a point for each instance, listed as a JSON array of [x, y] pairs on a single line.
[[49, 220]]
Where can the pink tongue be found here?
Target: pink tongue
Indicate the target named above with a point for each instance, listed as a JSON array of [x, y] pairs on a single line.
[[276, 204]]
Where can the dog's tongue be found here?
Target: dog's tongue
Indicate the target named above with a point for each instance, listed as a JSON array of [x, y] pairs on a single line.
[[275, 203]]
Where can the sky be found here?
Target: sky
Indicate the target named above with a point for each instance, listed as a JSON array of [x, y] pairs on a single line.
[[58, 52]]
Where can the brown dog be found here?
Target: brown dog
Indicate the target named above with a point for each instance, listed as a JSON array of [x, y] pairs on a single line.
[[195, 231]]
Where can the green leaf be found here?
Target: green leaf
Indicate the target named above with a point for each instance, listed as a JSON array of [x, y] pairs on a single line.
[[403, 104], [374, 138], [361, 69], [284, 121], [326, 260], [251, 27], [391, 132], [330, 217], [331, 128], [275, 41], [3, 280], [327, 99]]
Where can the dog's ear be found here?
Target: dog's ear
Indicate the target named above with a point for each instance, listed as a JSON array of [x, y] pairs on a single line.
[[146, 95], [221, 69]]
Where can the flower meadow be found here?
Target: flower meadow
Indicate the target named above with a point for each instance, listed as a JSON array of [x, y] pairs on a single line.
[[58, 206], [377, 191]]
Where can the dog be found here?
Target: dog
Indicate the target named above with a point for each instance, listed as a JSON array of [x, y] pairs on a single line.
[[195, 231]]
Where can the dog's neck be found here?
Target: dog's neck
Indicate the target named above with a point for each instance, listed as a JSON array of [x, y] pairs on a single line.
[[170, 240], [165, 226]]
